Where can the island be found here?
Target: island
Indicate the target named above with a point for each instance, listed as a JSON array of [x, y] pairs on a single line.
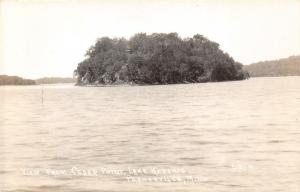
[[282, 67], [158, 58], [15, 80]]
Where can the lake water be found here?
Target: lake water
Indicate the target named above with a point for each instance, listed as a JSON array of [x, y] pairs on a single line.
[[231, 136]]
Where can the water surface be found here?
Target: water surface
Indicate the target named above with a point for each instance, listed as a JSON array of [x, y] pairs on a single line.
[[231, 136]]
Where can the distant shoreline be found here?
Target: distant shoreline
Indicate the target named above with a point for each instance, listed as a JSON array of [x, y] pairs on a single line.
[[19, 81], [289, 66], [15, 80], [137, 85]]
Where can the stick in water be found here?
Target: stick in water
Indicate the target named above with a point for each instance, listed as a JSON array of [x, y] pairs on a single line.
[[43, 94]]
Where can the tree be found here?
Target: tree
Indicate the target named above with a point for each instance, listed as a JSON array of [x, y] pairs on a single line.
[[158, 58]]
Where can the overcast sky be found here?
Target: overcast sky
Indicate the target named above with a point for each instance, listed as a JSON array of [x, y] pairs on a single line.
[[49, 37]]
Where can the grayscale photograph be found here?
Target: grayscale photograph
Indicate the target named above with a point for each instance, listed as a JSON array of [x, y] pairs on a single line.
[[149, 96]]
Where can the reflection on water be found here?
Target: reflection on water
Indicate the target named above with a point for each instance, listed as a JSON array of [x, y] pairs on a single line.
[[231, 136]]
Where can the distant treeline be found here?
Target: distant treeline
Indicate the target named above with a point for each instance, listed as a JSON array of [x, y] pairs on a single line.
[[283, 67], [157, 59], [53, 80], [15, 80]]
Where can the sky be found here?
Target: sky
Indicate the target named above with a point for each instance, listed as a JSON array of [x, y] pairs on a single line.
[[41, 38]]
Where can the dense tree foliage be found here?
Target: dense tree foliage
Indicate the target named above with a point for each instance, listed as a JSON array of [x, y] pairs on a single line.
[[157, 59], [14, 80], [283, 67]]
